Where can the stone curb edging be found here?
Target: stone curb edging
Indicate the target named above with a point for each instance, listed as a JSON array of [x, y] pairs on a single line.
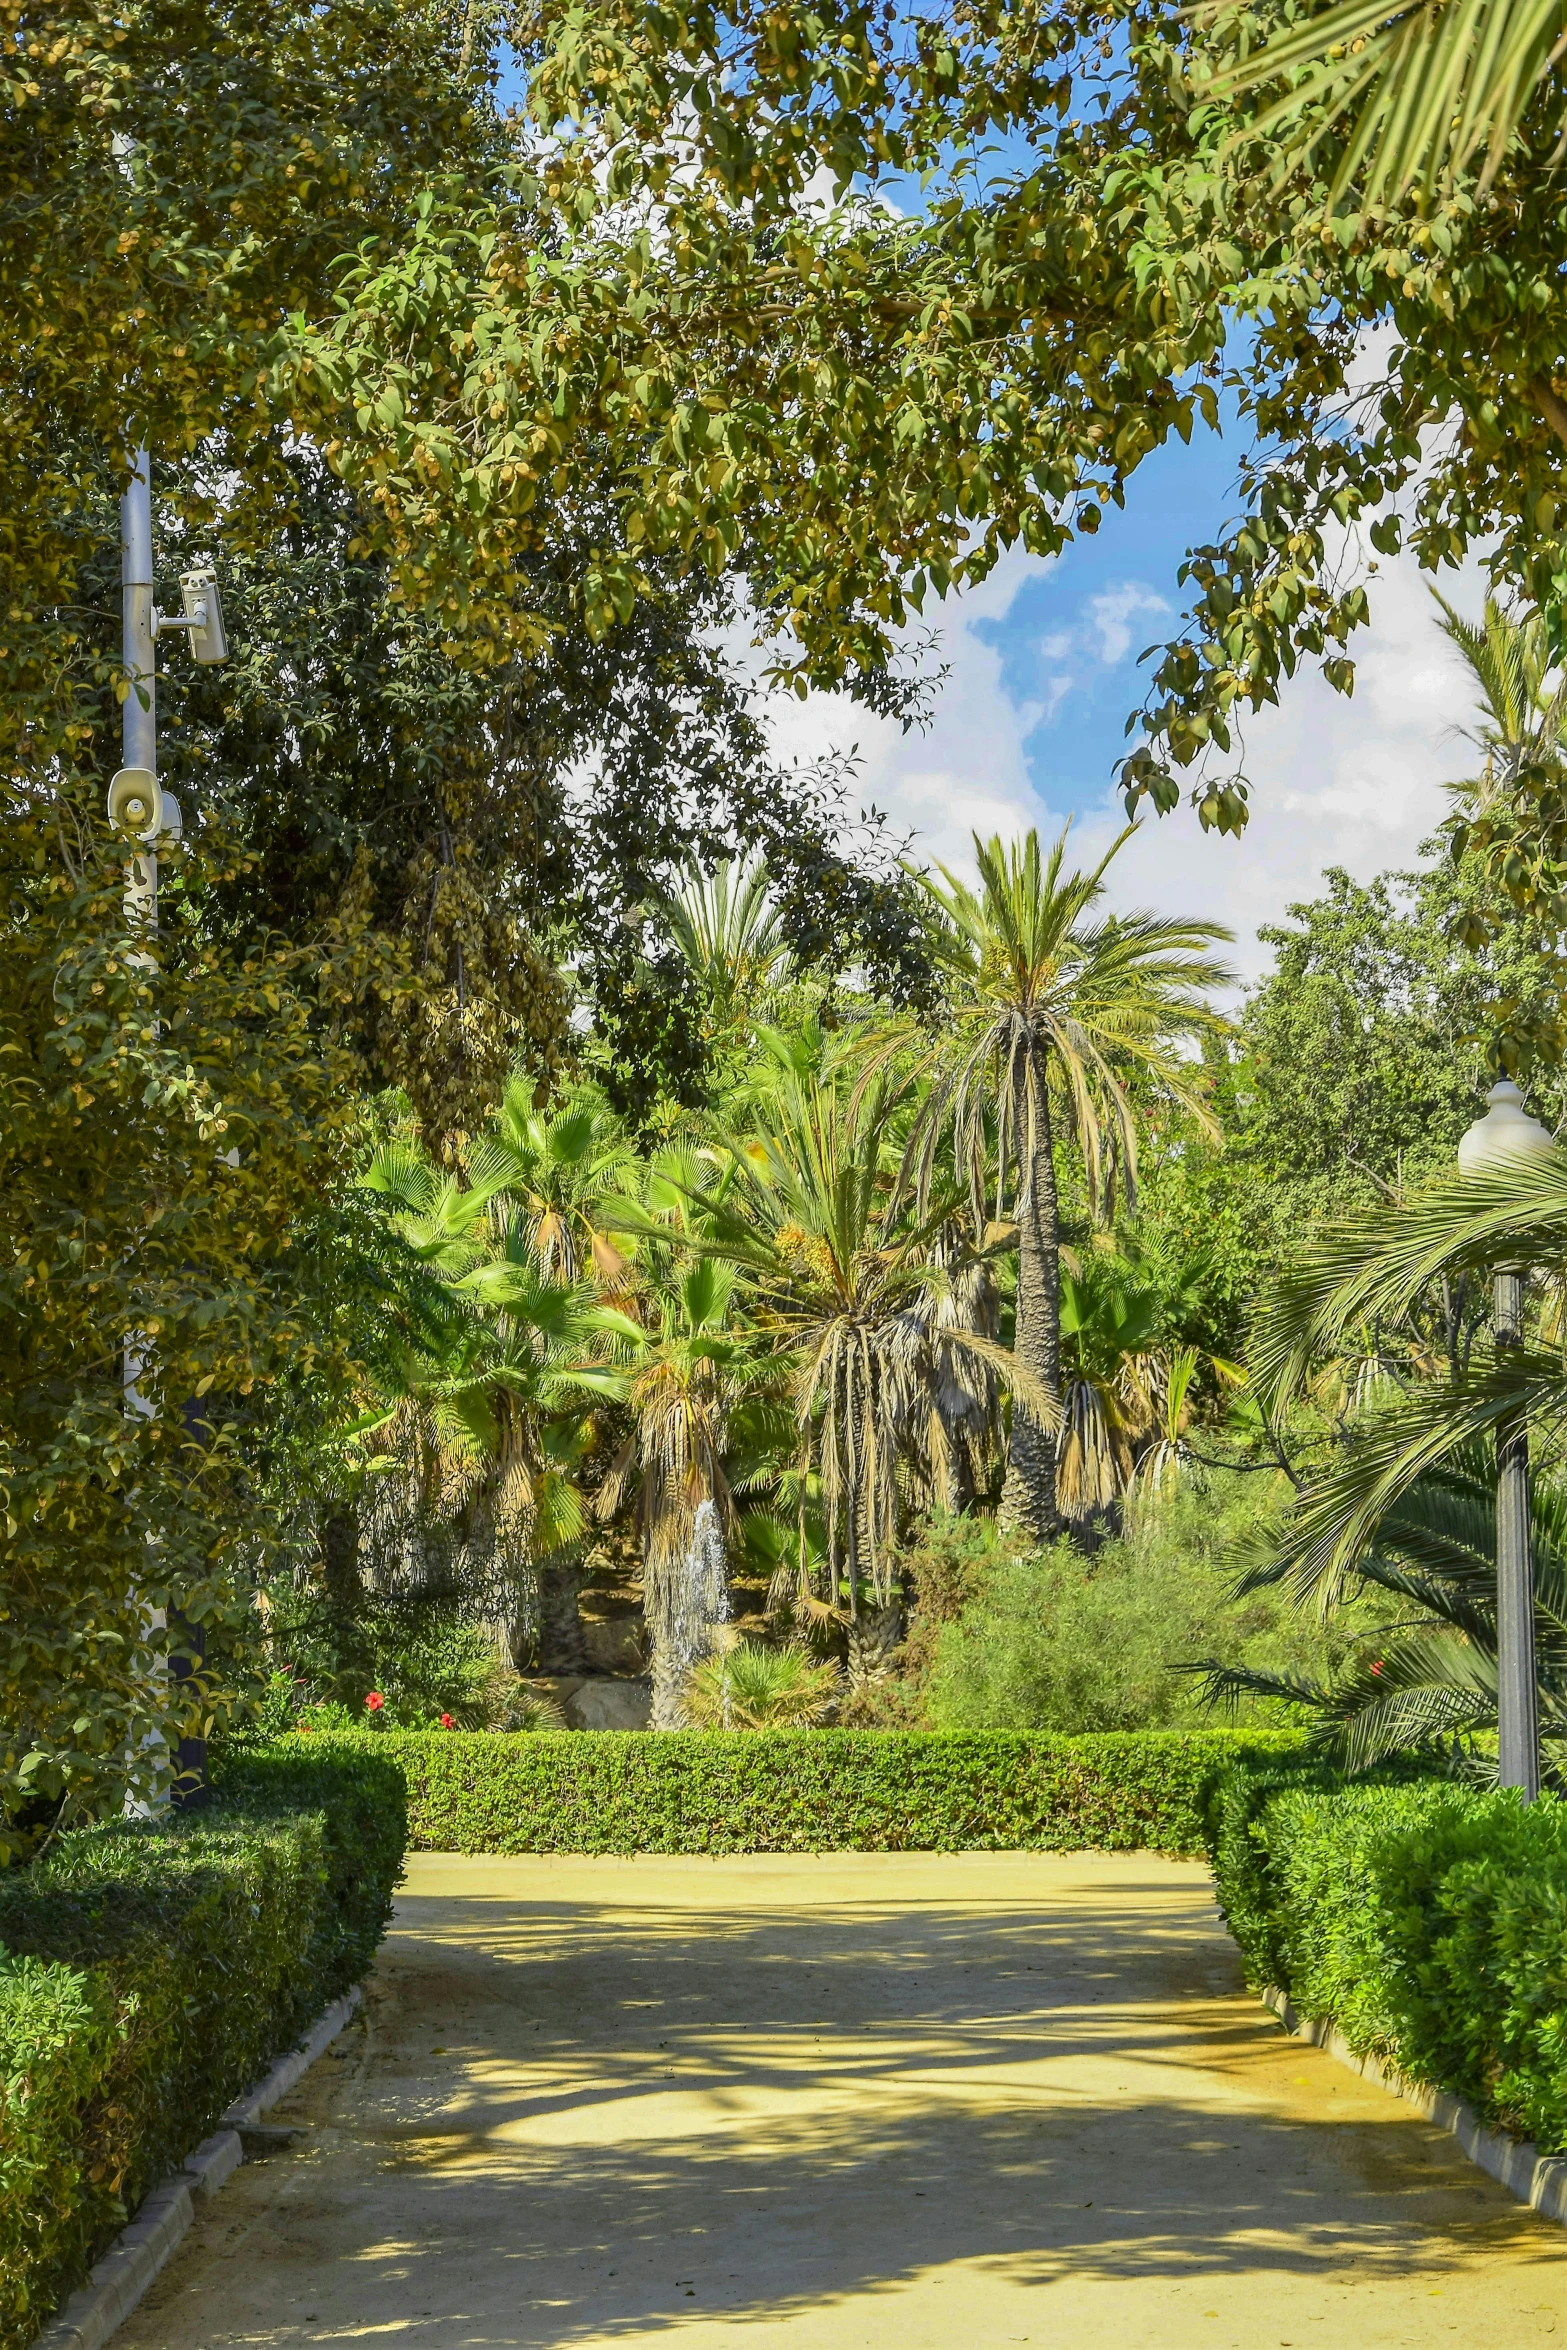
[[117, 2282], [1537, 2179]]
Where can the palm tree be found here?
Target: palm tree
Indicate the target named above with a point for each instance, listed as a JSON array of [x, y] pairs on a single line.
[[1430, 1678], [1108, 1320], [748, 1687], [726, 926], [473, 1434], [693, 1373], [1449, 1236], [1051, 1006], [1523, 713], [1416, 89], [554, 1170], [806, 1209], [1408, 1503]]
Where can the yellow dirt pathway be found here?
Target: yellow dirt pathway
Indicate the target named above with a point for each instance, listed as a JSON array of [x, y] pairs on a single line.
[[901, 2101]]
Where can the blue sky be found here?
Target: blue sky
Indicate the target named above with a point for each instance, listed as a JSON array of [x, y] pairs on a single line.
[[1070, 639]]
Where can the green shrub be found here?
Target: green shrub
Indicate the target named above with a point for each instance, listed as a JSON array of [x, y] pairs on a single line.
[[1428, 1919], [1062, 1640], [423, 1657], [813, 1790], [149, 1972]]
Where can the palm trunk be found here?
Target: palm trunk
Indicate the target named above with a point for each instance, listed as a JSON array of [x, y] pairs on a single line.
[[1028, 1498], [685, 1603], [562, 1644]]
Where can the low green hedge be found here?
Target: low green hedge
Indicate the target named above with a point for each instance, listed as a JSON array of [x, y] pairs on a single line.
[[1429, 1920], [150, 1972], [813, 1790]]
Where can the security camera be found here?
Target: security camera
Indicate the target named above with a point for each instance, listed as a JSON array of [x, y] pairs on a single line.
[[204, 615], [136, 804]]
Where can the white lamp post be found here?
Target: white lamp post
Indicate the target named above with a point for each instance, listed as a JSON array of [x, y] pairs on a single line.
[[1503, 1137], [142, 811]]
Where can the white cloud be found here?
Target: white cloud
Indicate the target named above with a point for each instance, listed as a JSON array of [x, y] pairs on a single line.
[[1354, 783], [968, 772], [1113, 612]]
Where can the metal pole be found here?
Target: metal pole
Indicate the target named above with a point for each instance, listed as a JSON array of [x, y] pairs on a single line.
[[139, 654], [1518, 1740]]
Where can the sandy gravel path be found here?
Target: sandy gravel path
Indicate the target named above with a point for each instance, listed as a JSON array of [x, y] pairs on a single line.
[[909, 2101]]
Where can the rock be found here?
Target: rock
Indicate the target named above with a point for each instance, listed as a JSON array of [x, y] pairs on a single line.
[[598, 1701]]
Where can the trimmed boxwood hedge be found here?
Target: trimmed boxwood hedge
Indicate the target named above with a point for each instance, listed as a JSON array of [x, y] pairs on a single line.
[[813, 1790], [1426, 1918], [149, 1972]]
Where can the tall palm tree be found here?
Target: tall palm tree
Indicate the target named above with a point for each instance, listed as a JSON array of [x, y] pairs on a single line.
[[726, 926], [838, 1274], [1051, 1006], [694, 1370]]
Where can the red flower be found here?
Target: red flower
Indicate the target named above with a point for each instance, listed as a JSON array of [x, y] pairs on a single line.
[[1377, 1667], [447, 1723], [374, 1701]]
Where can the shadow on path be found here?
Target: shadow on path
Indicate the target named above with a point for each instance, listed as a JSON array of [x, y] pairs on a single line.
[[895, 2104]]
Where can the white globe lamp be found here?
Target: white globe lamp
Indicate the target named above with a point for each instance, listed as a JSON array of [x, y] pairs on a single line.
[[1504, 1135]]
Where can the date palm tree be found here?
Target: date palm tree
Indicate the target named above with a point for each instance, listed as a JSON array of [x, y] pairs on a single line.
[[838, 1273], [694, 1371], [1052, 1005]]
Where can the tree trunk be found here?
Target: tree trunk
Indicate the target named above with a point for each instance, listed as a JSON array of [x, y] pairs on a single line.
[[1028, 1498], [340, 1563], [686, 1600], [563, 1645]]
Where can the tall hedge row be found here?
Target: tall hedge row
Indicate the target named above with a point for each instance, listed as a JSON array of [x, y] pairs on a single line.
[[150, 1972], [813, 1790], [1427, 1919]]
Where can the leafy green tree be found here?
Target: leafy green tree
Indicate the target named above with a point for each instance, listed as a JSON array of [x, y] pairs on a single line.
[[441, 808], [173, 1118], [873, 406], [174, 1111], [1050, 1004]]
